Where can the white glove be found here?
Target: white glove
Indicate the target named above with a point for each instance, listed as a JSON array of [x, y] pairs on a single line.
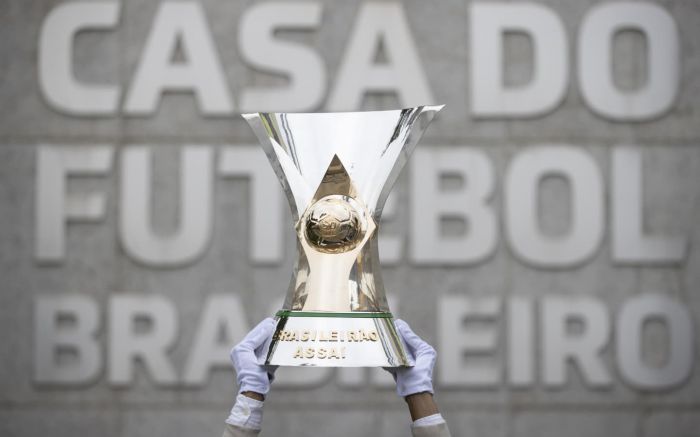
[[247, 413], [419, 378], [250, 375]]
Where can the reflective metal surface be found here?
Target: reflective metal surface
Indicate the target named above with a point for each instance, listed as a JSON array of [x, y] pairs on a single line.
[[335, 224], [335, 342], [337, 170]]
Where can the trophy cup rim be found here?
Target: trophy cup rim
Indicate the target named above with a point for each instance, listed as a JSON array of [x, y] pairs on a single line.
[[436, 108]]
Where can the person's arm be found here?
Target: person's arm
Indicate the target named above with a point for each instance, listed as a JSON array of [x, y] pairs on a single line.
[[415, 385], [245, 419], [421, 405]]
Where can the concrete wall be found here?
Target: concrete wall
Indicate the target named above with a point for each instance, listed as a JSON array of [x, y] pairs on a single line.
[[97, 267]]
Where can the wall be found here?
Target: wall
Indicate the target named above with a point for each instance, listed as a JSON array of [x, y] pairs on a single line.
[[562, 304]]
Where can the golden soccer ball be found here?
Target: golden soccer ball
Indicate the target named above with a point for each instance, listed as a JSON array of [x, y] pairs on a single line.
[[334, 224]]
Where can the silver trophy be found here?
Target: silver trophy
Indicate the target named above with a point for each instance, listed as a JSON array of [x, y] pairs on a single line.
[[337, 170]]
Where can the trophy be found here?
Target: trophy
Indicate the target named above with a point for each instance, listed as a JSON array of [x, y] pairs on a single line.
[[337, 170]]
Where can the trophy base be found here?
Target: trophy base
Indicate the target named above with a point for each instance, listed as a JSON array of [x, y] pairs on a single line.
[[329, 339]]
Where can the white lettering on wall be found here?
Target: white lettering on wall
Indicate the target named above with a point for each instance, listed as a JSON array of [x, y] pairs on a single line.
[[630, 244], [222, 312], [180, 22], [150, 343], [359, 74], [522, 181], [260, 49], [521, 341], [54, 206], [447, 187], [584, 348], [596, 33], [473, 347], [77, 340], [57, 80], [456, 341], [678, 363], [195, 225], [488, 23], [266, 206], [468, 204], [183, 24]]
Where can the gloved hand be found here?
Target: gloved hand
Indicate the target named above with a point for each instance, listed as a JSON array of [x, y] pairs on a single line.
[[250, 375], [419, 378]]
